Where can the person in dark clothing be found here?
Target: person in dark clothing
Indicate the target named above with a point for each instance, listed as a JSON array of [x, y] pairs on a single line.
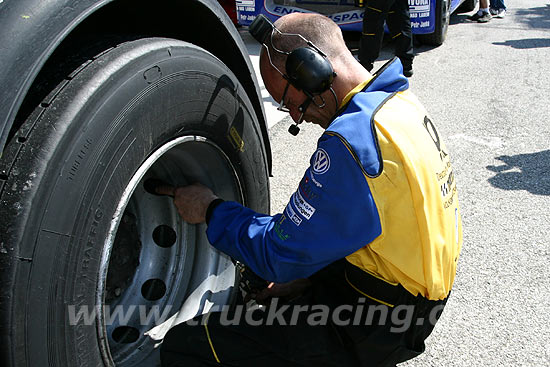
[[397, 16]]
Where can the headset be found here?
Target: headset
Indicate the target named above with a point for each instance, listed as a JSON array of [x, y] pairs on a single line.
[[307, 68]]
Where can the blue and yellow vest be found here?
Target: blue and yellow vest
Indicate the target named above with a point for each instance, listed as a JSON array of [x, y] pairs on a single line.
[[416, 196], [380, 191]]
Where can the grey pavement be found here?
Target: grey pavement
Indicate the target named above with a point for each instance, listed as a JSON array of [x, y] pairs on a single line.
[[487, 88]]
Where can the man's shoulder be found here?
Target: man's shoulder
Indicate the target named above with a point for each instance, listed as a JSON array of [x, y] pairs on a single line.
[[355, 130]]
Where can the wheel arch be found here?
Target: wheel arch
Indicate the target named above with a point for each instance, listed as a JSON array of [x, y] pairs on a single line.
[[33, 32]]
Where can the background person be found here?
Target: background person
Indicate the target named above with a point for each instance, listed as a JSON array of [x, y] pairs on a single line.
[[373, 222], [397, 16], [497, 8], [482, 15]]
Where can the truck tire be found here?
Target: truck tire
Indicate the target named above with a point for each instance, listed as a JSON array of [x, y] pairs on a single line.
[[87, 254], [442, 16]]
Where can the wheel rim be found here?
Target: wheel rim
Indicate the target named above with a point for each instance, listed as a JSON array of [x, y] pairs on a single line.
[[153, 262]]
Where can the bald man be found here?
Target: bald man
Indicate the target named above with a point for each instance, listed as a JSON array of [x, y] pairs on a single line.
[[362, 260]]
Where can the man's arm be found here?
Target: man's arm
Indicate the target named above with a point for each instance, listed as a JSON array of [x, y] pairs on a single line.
[[331, 215]]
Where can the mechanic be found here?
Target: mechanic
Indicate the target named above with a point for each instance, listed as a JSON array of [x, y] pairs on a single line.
[[374, 223], [397, 16]]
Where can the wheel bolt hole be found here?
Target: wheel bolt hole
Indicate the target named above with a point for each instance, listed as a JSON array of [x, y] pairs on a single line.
[[153, 289], [125, 334], [164, 236]]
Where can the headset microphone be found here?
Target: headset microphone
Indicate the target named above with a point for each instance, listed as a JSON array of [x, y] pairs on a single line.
[[295, 129]]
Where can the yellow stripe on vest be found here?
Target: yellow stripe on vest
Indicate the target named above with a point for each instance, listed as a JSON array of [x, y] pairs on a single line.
[[366, 295]]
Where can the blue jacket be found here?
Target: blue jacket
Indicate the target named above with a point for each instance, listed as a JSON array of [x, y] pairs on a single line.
[[332, 213]]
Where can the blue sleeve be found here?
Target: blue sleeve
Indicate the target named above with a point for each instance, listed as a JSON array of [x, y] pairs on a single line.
[[331, 215]]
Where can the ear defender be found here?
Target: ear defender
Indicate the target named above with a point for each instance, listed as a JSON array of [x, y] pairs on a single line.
[[309, 70]]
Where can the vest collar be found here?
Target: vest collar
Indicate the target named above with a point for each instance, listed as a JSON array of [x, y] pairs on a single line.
[[389, 78]]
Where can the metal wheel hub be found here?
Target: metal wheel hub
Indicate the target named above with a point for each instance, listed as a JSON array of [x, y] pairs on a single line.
[[157, 270]]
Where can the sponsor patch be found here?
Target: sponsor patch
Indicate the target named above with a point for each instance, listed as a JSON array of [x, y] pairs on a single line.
[[321, 161], [306, 189], [302, 206], [279, 231], [295, 218], [317, 183]]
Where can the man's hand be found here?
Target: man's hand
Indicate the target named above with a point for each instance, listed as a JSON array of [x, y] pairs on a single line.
[[191, 201]]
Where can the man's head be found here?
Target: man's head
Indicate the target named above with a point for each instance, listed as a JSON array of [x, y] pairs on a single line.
[[325, 35]]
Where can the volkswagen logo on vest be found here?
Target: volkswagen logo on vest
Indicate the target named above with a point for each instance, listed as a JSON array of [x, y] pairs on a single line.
[[321, 162]]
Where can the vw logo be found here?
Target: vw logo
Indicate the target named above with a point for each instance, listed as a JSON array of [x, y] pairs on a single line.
[[321, 162]]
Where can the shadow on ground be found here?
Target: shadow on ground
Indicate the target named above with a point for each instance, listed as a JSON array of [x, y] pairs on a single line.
[[530, 172], [535, 17], [459, 18], [527, 43]]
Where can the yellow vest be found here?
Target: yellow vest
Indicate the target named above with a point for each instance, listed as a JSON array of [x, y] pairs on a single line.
[[417, 202]]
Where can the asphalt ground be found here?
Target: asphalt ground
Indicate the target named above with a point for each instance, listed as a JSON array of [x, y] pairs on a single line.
[[487, 89]]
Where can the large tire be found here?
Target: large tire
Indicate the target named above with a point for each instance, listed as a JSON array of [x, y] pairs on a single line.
[[78, 228], [442, 16]]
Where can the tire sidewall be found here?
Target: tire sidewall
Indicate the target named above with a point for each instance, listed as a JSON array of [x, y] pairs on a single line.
[[442, 21], [441, 25]]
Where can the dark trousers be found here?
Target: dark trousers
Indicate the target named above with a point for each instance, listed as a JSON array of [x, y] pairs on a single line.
[[396, 15], [377, 338]]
